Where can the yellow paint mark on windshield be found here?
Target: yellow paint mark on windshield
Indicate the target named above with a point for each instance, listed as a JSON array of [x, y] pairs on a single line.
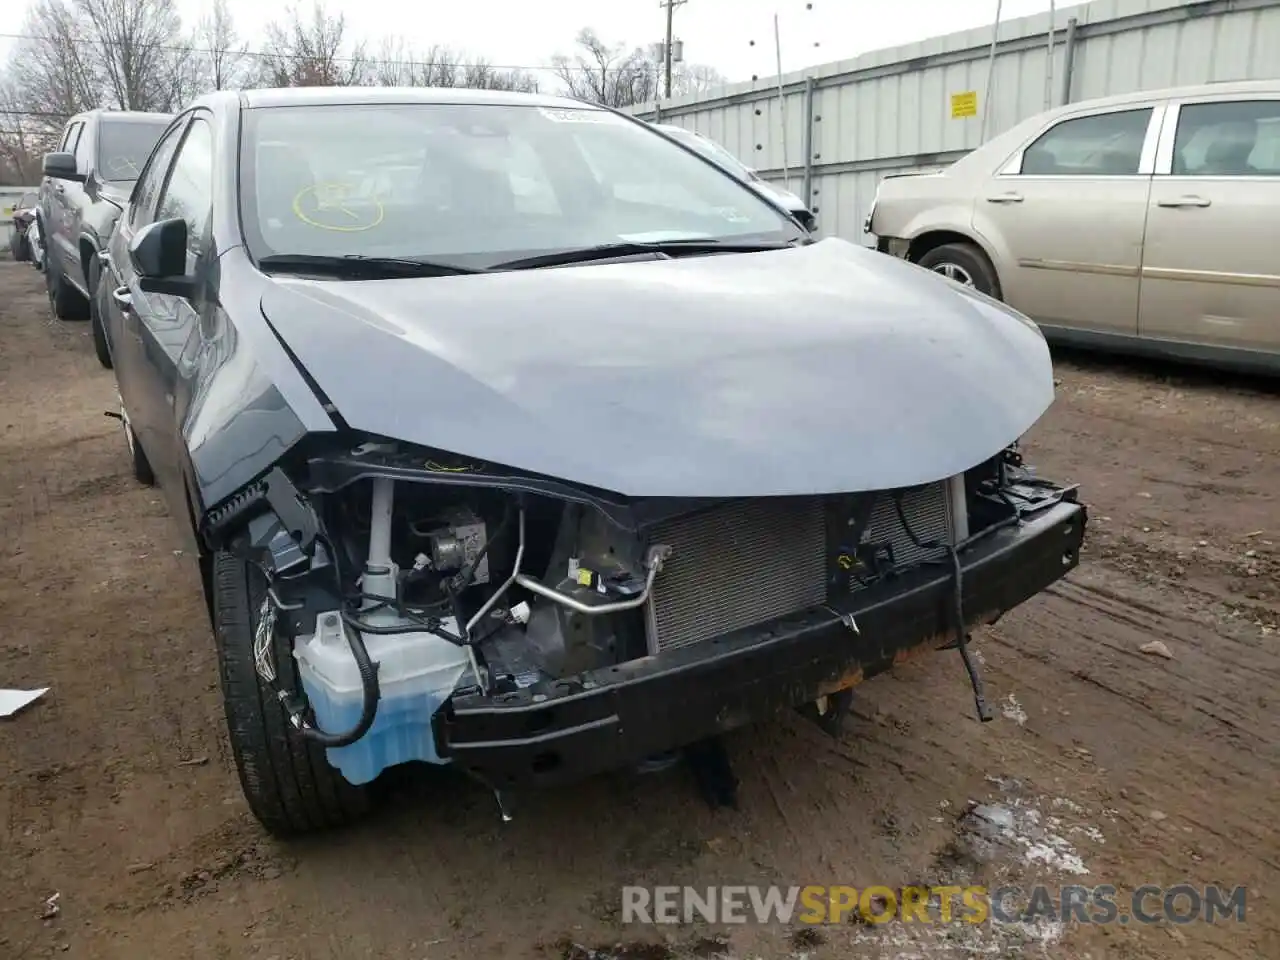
[[333, 208]]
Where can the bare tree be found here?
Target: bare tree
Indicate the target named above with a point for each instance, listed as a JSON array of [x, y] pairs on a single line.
[[142, 62], [689, 79], [311, 51], [480, 75], [607, 74], [617, 77], [51, 74], [24, 139], [396, 64], [223, 54]]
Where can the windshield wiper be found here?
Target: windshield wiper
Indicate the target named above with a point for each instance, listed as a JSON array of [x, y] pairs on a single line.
[[359, 267], [670, 248]]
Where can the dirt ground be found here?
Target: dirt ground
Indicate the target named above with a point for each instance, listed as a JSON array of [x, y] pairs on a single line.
[[118, 794]]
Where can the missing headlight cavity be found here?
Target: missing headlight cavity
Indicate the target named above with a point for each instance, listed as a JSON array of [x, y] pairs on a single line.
[[463, 583]]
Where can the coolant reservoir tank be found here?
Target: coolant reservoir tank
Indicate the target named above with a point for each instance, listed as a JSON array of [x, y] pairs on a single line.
[[417, 672]]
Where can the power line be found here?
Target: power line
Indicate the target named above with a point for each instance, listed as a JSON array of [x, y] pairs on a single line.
[[259, 54]]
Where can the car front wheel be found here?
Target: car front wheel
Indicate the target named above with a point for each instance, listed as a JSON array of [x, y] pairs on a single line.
[[142, 471], [964, 263], [290, 786]]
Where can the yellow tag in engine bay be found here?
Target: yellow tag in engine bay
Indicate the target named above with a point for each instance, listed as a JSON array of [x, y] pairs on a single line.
[[584, 577]]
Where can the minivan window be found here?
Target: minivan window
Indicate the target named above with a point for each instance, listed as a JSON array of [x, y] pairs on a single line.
[[1233, 139], [478, 184], [123, 146], [1101, 145]]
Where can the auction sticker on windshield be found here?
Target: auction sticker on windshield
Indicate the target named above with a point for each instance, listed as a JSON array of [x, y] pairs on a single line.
[[579, 116]]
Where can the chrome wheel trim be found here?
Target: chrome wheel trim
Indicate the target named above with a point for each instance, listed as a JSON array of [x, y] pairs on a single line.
[[128, 430], [953, 271]]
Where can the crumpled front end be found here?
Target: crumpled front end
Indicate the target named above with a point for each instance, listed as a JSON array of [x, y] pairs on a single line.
[[446, 610]]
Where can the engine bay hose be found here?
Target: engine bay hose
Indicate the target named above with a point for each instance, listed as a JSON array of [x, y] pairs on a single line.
[[985, 713], [370, 690]]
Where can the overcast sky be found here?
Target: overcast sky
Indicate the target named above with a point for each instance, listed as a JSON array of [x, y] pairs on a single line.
[[716, 32]]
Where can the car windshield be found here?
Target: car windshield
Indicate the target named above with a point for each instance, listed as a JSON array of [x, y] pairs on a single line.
[[479, 184], [124, 145]]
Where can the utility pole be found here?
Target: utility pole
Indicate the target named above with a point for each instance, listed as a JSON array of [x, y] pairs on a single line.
[[666, 47]]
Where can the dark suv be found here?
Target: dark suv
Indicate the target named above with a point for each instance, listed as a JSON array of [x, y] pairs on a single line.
[[86, 185]]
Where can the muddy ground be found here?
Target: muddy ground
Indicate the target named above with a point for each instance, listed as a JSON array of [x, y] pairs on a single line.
[[118, 794]]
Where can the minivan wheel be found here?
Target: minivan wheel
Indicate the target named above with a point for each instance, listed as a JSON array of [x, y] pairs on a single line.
[[964, 263], [290, 786]]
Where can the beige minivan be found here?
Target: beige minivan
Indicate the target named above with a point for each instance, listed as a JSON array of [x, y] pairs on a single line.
[[1148, 222]]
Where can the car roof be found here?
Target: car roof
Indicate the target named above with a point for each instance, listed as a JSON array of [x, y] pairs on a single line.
[[129, 115], [1175, 93], [355, 96]]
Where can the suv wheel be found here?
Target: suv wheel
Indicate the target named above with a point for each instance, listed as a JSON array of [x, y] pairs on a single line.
[[96, 327], [964, 263], [64, 300], [290, 786]]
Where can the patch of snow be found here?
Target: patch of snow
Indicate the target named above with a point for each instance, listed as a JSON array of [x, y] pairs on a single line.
[[1012, 710]]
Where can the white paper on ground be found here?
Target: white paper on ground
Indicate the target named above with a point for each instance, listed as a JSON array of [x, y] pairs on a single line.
[[11, 701]]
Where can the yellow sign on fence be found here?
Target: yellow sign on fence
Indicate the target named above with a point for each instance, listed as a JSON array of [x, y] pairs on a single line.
[[964, 104]]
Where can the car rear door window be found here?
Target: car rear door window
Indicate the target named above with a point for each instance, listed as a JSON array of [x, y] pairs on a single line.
[[1101, 145], [1228, 139]]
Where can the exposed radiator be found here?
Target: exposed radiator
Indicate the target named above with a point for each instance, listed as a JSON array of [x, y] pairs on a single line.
[[928, 510], [755, 560]]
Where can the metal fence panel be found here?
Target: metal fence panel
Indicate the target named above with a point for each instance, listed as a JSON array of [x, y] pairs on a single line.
[[891, 110]]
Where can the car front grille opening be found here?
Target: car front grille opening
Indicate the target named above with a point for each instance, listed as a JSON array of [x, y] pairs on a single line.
[[751, 561]]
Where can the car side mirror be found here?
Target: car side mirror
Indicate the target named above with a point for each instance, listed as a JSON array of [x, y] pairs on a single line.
[[62, 166], [159, 255]]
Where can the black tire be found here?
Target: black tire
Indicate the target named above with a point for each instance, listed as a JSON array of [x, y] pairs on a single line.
[[967, 259], [142, 471], [19, 247], [95, 316], [64, 299], [290, 786]]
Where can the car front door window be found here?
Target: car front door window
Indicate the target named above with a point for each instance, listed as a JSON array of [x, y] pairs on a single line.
[[144, 197], [188, 194]]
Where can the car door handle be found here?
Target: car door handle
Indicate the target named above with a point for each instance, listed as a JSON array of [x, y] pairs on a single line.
[[1005, 198], [123, 299], [1185, 202]]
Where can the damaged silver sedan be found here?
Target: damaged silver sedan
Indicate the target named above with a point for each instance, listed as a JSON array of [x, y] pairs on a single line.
[[515, 436]]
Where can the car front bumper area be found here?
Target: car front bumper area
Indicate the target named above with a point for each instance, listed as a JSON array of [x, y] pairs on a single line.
[[619, 715]]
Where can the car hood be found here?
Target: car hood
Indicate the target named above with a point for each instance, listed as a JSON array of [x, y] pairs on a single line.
[[809, 370], [117, 191]]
